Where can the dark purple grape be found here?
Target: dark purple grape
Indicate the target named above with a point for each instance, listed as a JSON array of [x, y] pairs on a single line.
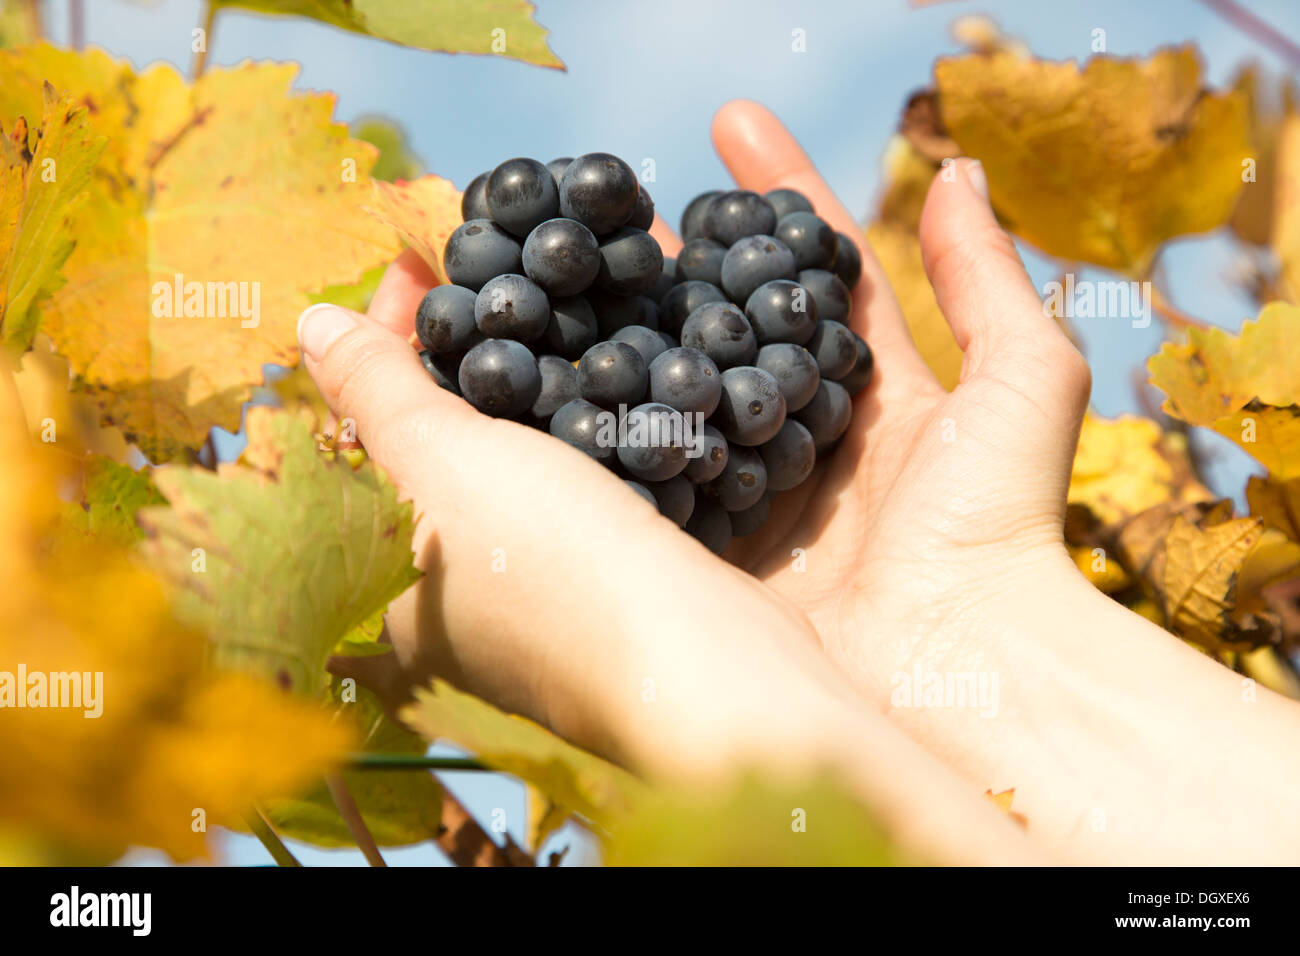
[[827, 416], [683, 299], [693, 217], [676, 498], [834, 348], [646, 341], [848, 261], [473, 204], [614, 312], [753, 261], [653, 444], [810, 238], [499, 377], [667, 279], [706, 455], [781, 311], [444, 322], [788, 456], [559, 387], [612, 374], [512, 307], [829, 292], [588, 428], [794, 369], [522, 194], [631, 262], [641, 490], [687, 380], [444, 368], [561, 256], [731, 216], [742, 483], [786, 201], [669, 341], [480, 250], [863, 368], [557, 168], [572, 329], [709, 524], [643, 216], [721, 331], [749, 520], [600, 191], [752, 408], [701, 259]]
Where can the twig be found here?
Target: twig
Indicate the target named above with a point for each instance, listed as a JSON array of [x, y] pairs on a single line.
[[1172, 314], [467, 844], [263, 830], [34, 24], [347, 808], [382, 761], [1250, 24], [77, 23], [201, 56]]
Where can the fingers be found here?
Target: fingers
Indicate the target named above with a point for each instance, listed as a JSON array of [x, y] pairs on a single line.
[[666, 236], [762, 156], [400, 290], [986, 296]]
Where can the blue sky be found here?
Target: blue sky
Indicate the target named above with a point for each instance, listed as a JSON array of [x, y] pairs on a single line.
[[644, 79]]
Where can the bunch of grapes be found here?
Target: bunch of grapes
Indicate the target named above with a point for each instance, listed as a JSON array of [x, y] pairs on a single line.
[[709, 383]]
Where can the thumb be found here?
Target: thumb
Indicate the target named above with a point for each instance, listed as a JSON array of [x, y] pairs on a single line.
[[370, 376]]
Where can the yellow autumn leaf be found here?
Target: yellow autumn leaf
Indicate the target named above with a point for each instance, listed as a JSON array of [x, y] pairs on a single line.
[[66, 421], [1276, 502], [146, 743], [424, 212], [1253, 219], [1102, 163], [198, 243], [1241, 386], [40, 188], [1275, 557]]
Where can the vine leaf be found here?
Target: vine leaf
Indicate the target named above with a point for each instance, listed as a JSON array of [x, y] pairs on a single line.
[[282, 554], [1241, 386], [197, 244], [1277, 502], [444, 26], [1100, 164], [424, 212], [569, 776], [110, 496], [40, 188]]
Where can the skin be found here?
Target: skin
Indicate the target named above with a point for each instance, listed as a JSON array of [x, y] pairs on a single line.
[[933, 539]]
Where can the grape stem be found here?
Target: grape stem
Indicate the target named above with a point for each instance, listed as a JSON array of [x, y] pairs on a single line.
[[351, 814], [264, 832]]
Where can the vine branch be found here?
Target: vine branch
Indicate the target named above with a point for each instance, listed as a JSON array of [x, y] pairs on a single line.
[[347, 808], [1253, 26], [467, 844], [206, 23], [262, 829]]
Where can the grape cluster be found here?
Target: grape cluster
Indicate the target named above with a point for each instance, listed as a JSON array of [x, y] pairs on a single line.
[[709, 383]]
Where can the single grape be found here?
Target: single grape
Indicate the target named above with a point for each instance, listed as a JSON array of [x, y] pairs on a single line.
[[653, 443], [734, 215], [701, 259], [788, 456], [669, 341], [781, 311], [600, 191], [721, 331], [786, 201], [499, 377], [810, 238], [667, 279], [834, 348], [561, 256], [522, 194], [829, 292], [443, 368], [641, 490], [706, 455], [752, 407], [614, 312], [863, 368], [751, 262], [693, 217], [676, 498], [588, 428], [512, 307], [612, 374], [480, 250], [630, 262], [827, 416], [687, 380], [794, 369], [646, 341], [557, 168], [749, 520], [643, 216], [444, 322], [709, 524], [848, 261], [473, 204], [572, 329], [742, 483], [559, 387], [683, 299]]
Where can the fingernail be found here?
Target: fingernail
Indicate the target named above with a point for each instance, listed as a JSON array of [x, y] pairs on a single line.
[[979, 182], [320, 325]]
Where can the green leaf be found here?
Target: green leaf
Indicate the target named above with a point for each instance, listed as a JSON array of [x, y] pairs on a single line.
[[396, 158], [111, 494], [445, 26], [400, 807], [280, 556], [753, 822], [569, 776]]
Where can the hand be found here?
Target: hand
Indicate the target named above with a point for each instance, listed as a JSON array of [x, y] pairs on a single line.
[[554, 591], [934, 539]]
